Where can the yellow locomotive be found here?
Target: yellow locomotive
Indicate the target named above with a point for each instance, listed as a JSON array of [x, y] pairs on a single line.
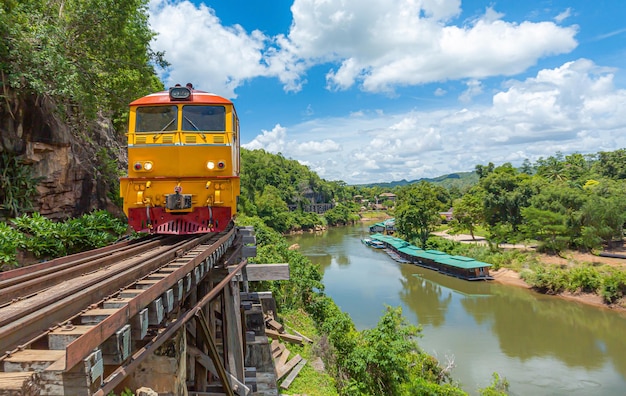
[[183, 162]]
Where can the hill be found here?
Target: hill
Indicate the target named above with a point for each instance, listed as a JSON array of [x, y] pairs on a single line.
[[459, 180]]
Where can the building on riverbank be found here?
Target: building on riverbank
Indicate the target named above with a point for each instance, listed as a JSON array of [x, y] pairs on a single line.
[[387, 227]]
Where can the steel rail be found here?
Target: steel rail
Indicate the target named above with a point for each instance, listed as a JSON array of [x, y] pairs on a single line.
[[20, 287], [103, 284], [35, 268], [22, 308], [79, 348]]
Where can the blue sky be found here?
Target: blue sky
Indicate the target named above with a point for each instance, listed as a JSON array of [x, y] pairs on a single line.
[[380, 90]]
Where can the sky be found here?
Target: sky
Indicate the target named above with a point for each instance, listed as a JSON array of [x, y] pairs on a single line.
[[368, 91]]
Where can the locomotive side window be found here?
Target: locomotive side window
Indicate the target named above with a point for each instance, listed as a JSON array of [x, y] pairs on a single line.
[[156, 119], [204, 118]]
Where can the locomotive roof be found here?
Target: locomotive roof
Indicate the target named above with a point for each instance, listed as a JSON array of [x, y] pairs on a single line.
[[163, 97]]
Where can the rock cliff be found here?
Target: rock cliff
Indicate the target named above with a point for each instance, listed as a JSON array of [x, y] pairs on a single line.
[[71, 157]]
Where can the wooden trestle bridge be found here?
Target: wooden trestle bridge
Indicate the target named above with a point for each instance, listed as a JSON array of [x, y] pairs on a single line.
[[173, 314]]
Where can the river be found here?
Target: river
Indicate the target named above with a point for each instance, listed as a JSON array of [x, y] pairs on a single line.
[[542, 345]]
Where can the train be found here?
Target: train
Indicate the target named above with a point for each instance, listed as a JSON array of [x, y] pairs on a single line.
[[183, 163]]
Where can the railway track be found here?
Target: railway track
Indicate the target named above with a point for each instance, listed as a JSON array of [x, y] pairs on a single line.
[[93, 311]]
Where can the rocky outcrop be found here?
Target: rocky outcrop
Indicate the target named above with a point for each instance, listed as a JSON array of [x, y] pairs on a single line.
[[65, 153]]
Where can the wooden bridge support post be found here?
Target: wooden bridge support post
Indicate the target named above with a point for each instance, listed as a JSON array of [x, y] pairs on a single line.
[[164, 371], [200, 372], [234, 337], [213, 353]]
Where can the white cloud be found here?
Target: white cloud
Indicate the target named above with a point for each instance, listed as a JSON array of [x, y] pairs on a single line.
[[474, 88], [380, 45], [200, 49], [312, 147], [564, 15], [571, 108], [376, 44], [272, 141]]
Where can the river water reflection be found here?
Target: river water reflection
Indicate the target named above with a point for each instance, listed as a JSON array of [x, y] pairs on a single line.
[[543, 345]]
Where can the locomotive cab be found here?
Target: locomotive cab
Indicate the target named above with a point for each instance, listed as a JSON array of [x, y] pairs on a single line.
[[183, 163]]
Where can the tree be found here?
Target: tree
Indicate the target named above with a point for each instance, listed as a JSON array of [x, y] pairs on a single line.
[[552, 168], [606, 216], [563, 201], [89, 55], [612, 164], [527, 167], [273, 210], [506, 192], [484, 170], [468, 211], [381, 362], [417, 211], [547, 226]]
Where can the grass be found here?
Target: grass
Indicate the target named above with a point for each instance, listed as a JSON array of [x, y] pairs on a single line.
[[309, 381], [479, 231], [374, 215]]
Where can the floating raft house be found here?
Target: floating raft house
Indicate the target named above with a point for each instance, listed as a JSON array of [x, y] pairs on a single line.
[[459, 266]]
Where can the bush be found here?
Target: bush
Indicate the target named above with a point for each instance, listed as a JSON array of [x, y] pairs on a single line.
[[499, 387], [45, 238], [18, 185], [339, 215], [546, 280], [306, 221], [584, 279], [90, 231], [613, 286], [10, 241]]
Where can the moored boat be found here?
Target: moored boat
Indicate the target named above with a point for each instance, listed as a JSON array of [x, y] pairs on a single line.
[[377, 244]]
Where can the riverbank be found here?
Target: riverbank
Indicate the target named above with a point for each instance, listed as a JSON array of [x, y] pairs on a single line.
[[511, 277]]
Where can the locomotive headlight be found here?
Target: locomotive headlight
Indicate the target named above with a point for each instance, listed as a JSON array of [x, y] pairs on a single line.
[[147, 166], [210, 165]]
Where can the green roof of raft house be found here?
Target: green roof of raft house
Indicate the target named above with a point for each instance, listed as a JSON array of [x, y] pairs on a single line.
[[459, 266]]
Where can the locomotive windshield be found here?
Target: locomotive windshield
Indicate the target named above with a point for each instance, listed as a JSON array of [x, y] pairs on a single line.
[[156, 119], [204, 118]]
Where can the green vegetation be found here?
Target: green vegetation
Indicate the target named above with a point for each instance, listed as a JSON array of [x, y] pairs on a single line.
[[608, 282], [10, 240], [572, 202], [46, 239], [418, 209], [18, 186], [497, 387], [309, 380], [278, 190], [88, 56]]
